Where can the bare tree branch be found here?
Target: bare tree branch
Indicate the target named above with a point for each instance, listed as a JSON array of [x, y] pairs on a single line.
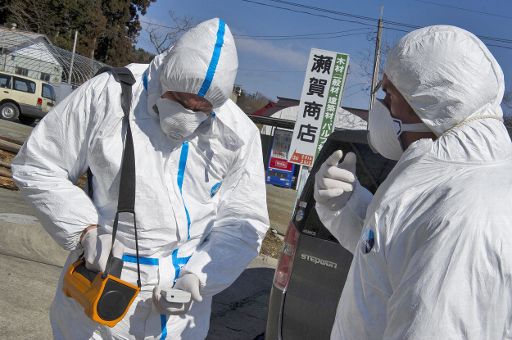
[[368, 56], [28, 15], [162, 37]]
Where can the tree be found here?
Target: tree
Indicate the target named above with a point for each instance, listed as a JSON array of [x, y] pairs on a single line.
[[141, 56], [84, 16], [368, 57], [4, 10], [123, 27], [107, 29], [28, 15], [164, 37]]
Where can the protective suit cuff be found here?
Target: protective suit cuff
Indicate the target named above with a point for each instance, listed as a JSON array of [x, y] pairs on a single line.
[[346, 223], [78, 246], [359, 201], [72, 240]]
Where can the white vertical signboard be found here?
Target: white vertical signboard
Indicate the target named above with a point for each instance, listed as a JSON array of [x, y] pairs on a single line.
[[321, 95]]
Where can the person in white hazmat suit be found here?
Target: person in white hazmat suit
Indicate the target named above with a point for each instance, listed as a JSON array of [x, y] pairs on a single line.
[[432, 249], [200, 189]]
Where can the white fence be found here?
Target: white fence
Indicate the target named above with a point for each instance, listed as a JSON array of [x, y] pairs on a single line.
[[33, 55]]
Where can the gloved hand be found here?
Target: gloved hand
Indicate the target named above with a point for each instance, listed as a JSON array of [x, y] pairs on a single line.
[[188, 283], [334, 182], [97, 248]]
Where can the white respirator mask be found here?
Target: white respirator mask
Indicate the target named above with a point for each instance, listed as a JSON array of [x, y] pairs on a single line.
[[176, 121], [384, 131]]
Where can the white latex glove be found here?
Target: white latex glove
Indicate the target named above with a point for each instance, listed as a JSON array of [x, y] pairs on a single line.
[[334, 182], [97, 248], [187, 283]]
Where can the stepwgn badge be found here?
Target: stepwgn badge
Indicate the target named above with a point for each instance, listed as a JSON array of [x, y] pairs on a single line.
[[367, 241]]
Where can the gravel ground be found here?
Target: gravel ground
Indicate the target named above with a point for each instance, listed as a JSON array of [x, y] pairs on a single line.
[[272, 244]]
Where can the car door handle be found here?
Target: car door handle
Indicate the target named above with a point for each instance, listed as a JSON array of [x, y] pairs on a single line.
[[6, 91]]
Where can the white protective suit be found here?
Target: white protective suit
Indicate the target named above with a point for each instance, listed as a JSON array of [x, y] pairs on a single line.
[[200, 203], [432, 252]]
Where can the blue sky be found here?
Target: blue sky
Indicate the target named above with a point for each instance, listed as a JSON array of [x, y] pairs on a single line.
[[276, 66]]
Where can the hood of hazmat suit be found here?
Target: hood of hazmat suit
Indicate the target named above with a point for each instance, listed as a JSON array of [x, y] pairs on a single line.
[[193, 67], [432, 256], [199, 202], [190, 68]]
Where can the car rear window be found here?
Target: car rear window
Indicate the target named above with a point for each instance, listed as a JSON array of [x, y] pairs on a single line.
[[24, 85], [372, 170], [48, 92], [5, 81]]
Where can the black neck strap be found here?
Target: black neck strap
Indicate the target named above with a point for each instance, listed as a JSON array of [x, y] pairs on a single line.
[[126, 200]]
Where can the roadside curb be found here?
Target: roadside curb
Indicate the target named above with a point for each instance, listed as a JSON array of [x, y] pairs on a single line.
[[263, 261], [24, 237]]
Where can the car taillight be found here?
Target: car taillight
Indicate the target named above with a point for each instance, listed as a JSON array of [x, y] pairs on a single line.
[[284, 267], [39, 101]]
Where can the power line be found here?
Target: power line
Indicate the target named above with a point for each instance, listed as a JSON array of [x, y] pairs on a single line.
[[395, 29], [270, 71], [388, 22], [495, 39], [465, 9], [360, 85], [353, 94], [313, 38], [298, 35], [483, 37], [306, 12], [337, 34], [268, 36], [499, 46], [320, 9], [159, 25]]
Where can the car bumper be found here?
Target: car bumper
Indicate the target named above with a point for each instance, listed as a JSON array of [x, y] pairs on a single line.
[[275, 314], [32, 111]]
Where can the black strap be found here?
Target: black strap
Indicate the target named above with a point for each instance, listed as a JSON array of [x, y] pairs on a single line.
[[125, 77], [126, 199]]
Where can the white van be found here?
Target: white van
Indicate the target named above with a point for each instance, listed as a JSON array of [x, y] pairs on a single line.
[[24, 99]]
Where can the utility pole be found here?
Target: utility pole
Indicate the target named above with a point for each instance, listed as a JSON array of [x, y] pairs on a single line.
[[72, 58], [93, 48], [92, 57], [376, 61]]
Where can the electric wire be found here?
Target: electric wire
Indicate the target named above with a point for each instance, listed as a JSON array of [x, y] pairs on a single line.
[[387, 23]]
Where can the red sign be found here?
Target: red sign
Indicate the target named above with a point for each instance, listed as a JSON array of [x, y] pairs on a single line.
[[300, 158], [280, 164]]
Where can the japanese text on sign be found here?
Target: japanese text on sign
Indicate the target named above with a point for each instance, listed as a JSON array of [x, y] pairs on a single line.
[[321, 94]]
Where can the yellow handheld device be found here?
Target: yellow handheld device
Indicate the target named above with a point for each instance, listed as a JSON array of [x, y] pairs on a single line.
[[104, 296]]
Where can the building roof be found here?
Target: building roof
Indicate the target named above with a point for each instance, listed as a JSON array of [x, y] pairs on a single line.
[[344, 119], [38, 51], [282, 103], [273, 107], [37, 48], [14, 39]]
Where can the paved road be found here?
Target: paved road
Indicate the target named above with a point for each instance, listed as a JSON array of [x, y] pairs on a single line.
[[15, 131], [280, 203], [28, 287], [30, 264]]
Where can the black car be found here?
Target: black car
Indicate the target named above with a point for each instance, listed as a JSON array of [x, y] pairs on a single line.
[[313, 266]]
